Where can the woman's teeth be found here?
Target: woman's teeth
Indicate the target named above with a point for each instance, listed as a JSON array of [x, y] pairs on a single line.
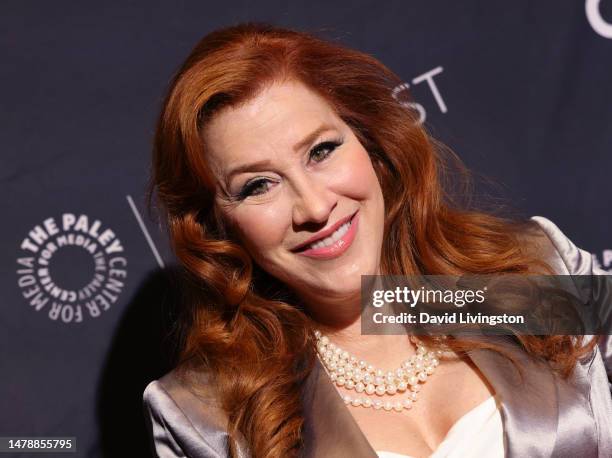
[[327, 241]]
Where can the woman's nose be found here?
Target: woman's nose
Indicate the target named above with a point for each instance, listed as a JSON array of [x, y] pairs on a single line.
[[313, 203]]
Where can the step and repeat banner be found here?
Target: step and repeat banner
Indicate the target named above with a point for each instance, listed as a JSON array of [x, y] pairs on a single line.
[[521, 91]]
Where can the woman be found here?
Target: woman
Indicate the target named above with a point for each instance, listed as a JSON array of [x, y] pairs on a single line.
[[286, 170]]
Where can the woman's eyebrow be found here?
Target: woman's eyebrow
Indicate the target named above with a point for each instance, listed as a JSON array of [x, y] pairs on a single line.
[[258, 165], [311, 137], [251, 166]]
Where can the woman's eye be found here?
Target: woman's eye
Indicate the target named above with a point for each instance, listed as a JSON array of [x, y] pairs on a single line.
[[260, 186], [254, 188], [324, 149]]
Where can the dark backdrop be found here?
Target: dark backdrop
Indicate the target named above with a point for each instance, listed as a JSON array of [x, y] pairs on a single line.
[[520, 90]]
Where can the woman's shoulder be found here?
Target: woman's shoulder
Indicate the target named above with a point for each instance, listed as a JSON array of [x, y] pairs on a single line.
[[184, 415], [183, 386], [553, 246], [567, 259]]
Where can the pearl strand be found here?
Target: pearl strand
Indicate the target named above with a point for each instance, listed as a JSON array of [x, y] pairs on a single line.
[[346, 371]]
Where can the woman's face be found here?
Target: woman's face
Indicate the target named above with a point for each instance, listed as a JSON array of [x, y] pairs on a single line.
[[299, 190]]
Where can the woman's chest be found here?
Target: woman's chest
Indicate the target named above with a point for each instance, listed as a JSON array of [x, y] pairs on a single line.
[[445, 399]]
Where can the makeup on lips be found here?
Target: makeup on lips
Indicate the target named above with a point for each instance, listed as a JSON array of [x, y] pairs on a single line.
[[332, 242]]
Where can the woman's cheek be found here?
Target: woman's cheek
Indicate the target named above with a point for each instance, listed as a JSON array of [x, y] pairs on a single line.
[[262, 227], [355, 176]]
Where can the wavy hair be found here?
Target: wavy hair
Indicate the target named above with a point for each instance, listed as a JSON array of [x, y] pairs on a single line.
[[243, 326]]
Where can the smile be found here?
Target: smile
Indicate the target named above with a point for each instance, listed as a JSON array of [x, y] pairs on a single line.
[[334, 244]]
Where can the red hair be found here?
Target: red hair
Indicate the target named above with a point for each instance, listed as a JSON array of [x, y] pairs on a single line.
[[244, 326]]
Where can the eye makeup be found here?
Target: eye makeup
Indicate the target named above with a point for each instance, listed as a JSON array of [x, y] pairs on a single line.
[[252, 186]]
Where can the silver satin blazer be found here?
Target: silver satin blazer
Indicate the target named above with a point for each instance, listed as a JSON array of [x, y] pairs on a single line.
[[543, 416]]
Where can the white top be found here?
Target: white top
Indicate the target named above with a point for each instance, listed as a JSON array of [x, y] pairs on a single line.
[[478, 433]]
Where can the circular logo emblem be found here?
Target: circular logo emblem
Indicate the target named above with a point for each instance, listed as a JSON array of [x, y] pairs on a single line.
[[71, 268], [596, 20]]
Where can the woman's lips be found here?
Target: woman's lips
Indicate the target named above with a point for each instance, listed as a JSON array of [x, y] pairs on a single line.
[[338, 247]]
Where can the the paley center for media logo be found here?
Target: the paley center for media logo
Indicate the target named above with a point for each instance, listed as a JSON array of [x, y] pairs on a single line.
[[71, 268]]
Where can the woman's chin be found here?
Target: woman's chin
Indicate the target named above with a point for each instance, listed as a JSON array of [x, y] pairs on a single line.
[[327, 292]]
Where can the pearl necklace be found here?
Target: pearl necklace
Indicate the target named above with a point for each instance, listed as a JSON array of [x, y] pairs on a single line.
[[346, 371]]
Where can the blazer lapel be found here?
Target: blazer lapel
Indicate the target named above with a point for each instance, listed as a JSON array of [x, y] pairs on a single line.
[[529, 404], [330, 430]]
